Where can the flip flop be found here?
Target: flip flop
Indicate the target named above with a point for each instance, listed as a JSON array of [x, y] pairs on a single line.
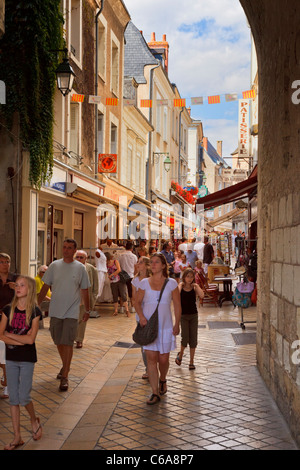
[[161, 386], [178, 360], [153, 399], [37, 434], [192, 367], [12, 446]]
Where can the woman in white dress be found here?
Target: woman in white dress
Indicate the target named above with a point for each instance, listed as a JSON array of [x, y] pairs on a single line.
[[158, 352]]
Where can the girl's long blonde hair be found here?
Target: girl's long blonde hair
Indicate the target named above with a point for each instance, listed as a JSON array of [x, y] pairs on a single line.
[[31, 299]]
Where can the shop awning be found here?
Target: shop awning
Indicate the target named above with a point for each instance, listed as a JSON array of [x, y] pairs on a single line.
[[230, 194], [224, 218]]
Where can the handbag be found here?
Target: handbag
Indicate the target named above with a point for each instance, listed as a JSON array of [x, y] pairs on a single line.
[[124, 276], [144, 335], [242, 294]]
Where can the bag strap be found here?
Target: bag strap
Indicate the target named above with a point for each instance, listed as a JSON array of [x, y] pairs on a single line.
[[162, 290]]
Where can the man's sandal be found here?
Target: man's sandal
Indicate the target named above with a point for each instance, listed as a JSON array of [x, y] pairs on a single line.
[[178, 360], [192, 367], [162, 388], [153, 399]]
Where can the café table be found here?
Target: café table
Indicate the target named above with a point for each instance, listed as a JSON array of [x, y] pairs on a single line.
[[226, 294]]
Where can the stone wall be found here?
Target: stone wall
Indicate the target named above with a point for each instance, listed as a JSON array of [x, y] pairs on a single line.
[[275, 27]]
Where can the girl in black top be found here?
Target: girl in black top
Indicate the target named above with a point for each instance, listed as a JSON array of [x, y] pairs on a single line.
[[18, 329], [189, 291]]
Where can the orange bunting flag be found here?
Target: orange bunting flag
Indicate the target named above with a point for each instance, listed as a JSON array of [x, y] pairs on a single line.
[[146, 103], [249, 94], [111, 101], [77, 98], [214, 99], [179, 102]]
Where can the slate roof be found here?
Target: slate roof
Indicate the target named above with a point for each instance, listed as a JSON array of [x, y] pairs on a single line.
[[137, 54], [214, 156]]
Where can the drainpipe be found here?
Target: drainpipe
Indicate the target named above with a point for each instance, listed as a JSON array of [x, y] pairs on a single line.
[[96, 89], [149, 162], [179, 176]]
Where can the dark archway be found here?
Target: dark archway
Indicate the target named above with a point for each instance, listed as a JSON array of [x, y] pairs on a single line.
[[275, 28]]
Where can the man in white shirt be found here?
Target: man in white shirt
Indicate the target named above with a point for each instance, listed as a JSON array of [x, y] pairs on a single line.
[[199, 247], [69, 282], [100, 261], [183, 245], [127, 262]]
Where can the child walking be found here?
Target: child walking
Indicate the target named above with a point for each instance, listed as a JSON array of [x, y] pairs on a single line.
[[189, 291], [18, 329], [143, 270]]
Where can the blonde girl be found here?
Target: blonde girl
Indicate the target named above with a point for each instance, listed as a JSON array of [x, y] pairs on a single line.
[[18, 329], [142, 268]]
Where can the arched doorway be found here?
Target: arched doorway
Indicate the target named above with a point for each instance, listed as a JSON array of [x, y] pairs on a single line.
[[275, 28]]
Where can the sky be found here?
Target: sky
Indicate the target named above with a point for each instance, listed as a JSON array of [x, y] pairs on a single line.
[[209, 54]]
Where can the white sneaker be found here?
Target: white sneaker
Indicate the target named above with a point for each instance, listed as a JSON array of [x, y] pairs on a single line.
[[121, 309], [132, 310]]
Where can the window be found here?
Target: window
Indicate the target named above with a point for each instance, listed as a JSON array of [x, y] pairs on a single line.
[[158, 118], [165, 129], [138, 179], [78, 228], [115, 68], [101, 50], [113, 138], [129, 165], [100, 132], [76, 29], [74, 127]]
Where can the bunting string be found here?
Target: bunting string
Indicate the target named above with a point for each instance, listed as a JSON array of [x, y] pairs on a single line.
[[177, 102]]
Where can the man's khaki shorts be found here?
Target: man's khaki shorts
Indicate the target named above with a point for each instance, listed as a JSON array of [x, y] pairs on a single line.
[[63, 330]]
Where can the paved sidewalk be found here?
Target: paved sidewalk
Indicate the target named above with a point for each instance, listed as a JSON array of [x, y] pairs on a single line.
[[222, 404]]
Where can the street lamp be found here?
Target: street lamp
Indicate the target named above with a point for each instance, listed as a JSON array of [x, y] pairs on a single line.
[[167, 160], [65, 76], [167, 163]]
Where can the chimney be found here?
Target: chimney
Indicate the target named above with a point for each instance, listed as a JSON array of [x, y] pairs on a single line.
[[219, 147], [160, 48], [205, 142]]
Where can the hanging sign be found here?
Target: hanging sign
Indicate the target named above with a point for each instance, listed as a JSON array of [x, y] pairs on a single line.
[[107, 163], [244, 112]]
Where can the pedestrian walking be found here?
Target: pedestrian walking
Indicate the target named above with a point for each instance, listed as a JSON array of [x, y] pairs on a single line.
[[18, 329], [143, 271], [169, 255], [191, 255], [208, 254], [81, 256], [100, 262], [189, 291], [118, 288], [158, 351], [127, 261], [69, 281], [7, 291]]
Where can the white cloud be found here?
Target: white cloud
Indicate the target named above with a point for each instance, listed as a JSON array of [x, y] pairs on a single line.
[[209, 51]]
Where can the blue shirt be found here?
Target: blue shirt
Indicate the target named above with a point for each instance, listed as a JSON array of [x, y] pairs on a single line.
[[191, 258], [169, 255]]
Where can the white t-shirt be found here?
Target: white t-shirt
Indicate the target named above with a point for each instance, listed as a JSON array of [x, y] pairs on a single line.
[[66, 280], [101, 262], [127, 262], [199, 247], [182, 247]]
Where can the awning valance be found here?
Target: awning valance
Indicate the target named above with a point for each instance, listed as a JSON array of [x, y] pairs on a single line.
[[230, 194]]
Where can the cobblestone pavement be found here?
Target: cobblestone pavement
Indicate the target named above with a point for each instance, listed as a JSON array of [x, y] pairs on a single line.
[[222, 404]]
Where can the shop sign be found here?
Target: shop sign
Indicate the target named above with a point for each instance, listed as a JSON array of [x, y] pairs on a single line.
[[107, 163]]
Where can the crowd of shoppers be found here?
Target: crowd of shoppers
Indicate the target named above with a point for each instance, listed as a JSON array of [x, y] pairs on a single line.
[[70, 287]]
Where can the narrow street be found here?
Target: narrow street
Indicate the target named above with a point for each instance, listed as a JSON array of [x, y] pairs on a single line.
[[222, 404]]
